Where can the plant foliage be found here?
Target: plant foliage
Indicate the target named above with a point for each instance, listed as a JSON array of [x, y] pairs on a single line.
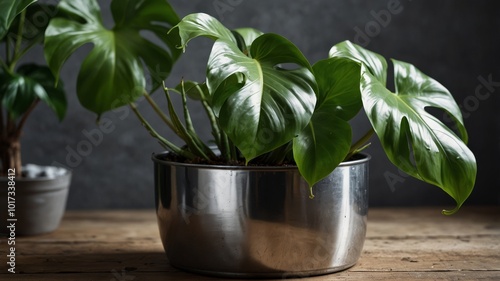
[[23, 86], [267, 104]]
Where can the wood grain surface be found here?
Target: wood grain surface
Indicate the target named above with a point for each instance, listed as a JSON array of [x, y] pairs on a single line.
[[401, 244]]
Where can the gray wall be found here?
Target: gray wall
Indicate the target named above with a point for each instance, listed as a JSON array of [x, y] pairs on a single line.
[[456, 42]]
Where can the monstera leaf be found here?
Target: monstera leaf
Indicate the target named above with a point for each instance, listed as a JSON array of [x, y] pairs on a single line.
[[260, 104], [246, 36], [201, 24], [373, 61], [414, 140], [18, 91], [9, 9], [273, 104], [326, 141], [112, 74]]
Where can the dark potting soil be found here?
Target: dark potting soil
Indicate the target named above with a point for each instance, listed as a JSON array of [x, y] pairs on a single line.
[[171, 157]]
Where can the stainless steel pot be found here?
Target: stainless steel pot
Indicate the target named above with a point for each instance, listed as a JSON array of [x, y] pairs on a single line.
[[259, 221]]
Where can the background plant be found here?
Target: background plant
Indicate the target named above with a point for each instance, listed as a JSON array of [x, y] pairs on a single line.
[[22, 86]]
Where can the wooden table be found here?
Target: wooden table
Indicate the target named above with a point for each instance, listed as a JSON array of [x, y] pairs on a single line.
[[401, 244]]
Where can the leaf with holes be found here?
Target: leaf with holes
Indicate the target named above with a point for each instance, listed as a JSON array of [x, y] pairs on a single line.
[[375, 62], [112, 74], [267, 106], [414, 140]]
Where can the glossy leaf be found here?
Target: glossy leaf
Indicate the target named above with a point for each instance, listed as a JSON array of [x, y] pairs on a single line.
[[338, 83], [36, 21], [414, 140], [375, 62], [20, 90], [200, 24], [9, 9], [322, 145], [247, 35], [112, 74], [267, 106], [326, 141]]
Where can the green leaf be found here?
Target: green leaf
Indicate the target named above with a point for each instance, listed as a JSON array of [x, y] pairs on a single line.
[[35, 23], [414, 140], [267, 105], [322, 145], [112, 74], [55, 98], [338, 82], [375, 62], [326, 141], [247, 35], [9, 9], [200, 24], [20, 90]]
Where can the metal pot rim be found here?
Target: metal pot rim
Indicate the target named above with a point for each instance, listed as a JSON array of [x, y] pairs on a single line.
[[155, 157]]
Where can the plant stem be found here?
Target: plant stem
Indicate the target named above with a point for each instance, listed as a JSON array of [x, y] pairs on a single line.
[[213, 122], [225, 149], [4, 65], [11, 125], [168, 145], [158, 111], [21, 123], [185, 134], [360, 143], [190, 127], [7, 53], [10, 147], [10, 153], [19, 39]]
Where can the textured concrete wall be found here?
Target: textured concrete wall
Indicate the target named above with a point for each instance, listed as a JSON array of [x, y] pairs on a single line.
[[456, 42]]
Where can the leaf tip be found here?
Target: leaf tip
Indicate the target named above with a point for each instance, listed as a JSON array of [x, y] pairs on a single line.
[[450, 212]]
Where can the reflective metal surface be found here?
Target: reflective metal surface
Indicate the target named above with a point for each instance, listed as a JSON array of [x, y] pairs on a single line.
[[259, 221]]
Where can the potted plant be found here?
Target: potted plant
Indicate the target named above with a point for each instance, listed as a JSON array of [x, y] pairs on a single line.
[[33, 198], [284, 190]]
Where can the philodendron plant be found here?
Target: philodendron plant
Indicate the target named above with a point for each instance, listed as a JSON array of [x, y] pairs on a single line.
[[22, 87], [268, 105]]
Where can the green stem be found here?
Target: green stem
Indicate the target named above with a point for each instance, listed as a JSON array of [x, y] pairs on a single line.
[[168, 145], [4, 66], [158, 111], [190, 127], [183, 132], [234, 153], [19, 39], [7, 52], [22, 52], [225, 149], [213, 122], [364, 139]]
